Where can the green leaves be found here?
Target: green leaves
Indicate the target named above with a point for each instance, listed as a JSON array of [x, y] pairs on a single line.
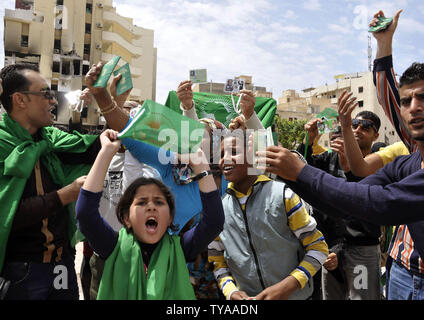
[[290, 133]]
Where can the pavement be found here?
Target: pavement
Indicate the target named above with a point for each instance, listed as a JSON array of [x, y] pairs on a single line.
[[78, 260]]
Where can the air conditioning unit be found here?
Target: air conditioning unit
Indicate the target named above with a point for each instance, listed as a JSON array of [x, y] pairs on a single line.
[[99, 25], [98, 46], [100, 5]]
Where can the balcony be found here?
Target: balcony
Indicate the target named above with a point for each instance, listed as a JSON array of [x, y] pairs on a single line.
[[19, 14], [109, 16], [113, 37]]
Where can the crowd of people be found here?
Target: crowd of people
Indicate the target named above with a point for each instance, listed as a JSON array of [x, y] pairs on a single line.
[[318, 227]]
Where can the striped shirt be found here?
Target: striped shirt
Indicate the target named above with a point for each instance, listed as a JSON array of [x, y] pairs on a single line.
[[402, 246], [303, 227]]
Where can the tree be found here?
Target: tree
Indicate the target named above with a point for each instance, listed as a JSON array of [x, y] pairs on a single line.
[[290, 133]]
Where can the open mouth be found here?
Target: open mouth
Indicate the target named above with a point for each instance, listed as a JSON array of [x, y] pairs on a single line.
[[51, 110], [151, 224], [227, 168]]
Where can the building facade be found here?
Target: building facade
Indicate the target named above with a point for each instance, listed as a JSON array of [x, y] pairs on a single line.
[[66, 37], [307, 104]]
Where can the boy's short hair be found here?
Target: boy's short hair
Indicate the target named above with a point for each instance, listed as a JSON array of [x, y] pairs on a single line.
[[413, 74], [370, 116]]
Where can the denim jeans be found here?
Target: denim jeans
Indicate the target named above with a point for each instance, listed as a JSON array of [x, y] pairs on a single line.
[[404, 285], [42, 281]]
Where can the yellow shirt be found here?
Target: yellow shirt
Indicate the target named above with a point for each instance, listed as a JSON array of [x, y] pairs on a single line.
[[389, 153]]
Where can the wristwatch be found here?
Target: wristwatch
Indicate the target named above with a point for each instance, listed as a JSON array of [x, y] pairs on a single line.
[[201, 175]]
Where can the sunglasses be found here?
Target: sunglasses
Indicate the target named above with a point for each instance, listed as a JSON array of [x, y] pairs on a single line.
[[48, 94], [365, 124]]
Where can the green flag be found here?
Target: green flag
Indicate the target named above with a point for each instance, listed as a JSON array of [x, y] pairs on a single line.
[[220, 107], [159, 126]]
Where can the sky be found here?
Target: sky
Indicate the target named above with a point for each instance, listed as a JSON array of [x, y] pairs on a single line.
[[281, 44]]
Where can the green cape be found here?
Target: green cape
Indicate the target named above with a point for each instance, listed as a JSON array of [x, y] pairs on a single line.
[[18, 155], [124, 277]]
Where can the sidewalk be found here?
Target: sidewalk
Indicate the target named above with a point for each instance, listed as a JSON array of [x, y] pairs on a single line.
[[78, 260]]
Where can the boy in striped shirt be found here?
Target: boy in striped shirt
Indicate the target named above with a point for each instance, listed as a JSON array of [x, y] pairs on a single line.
[[270, 247]]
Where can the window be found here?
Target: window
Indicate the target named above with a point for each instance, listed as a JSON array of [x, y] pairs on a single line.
[[77, 67], [56, 66], [88, 28], [84, 112], [54, 87], [66, 68], [88, 8], [57, 44], [360, 104], [85, 69], [59, 2], [24, 41], [288, 100], [360, 89], [86, 49]]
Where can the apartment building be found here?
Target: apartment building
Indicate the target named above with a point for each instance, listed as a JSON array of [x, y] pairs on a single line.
[[65, 37], [307, 104], [218, 88]]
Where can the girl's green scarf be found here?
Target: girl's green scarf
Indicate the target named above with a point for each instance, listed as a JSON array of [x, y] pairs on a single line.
[[167, 278], [18, 155]]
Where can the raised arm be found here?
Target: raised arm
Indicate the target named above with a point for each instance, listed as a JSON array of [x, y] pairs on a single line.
[[385, 38], [98, 232], [385, 79], [115, 117], [185, 95], [360, 166], [210, 226]]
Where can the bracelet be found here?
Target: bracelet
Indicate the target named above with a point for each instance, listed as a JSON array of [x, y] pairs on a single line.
[[201, 175], [109, 110]]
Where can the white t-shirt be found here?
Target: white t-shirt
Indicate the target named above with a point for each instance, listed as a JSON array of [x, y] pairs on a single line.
[[112, 191], [123, 170]]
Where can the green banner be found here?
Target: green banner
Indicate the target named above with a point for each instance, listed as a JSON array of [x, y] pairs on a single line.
[[159, 126], [220, 107]]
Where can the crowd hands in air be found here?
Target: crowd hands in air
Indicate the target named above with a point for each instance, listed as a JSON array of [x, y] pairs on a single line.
[[295, 229]]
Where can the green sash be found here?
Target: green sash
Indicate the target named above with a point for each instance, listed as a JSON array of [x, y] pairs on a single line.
[[18, 155], [124, 277]]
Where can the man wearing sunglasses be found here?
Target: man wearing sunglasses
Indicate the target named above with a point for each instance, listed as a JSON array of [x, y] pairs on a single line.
[[41, 172], [350, 240], [365, 129]]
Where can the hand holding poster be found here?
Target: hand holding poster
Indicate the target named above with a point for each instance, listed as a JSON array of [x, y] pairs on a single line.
[[162, 127]]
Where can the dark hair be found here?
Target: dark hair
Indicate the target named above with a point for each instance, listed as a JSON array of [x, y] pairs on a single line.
[[376, 146], [13, 80], [413, 74], [124, 204], [370, 116]]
